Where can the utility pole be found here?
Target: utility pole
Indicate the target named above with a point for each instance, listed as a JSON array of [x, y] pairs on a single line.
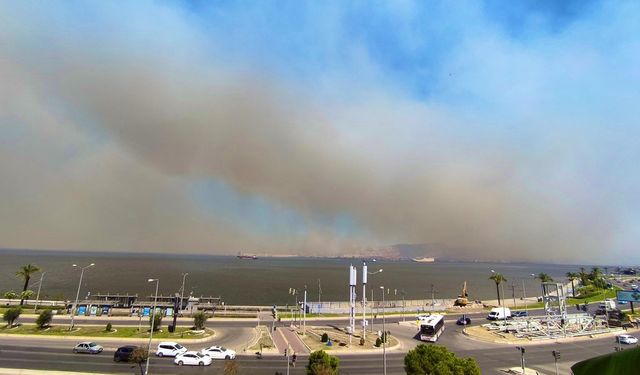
[[364, 300], [304, 312], [513, 295], [319, 296], [38, 295], [184, 275], [556, 357], [521, 349], [433, 292], [384, 336]]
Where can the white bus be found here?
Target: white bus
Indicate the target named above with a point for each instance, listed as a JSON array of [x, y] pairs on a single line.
[[431, 327]]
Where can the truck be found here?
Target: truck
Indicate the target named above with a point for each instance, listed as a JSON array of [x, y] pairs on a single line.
[[608, 304], [498, 313]]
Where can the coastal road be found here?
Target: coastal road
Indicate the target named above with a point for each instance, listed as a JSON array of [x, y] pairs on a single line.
[[57, 355]]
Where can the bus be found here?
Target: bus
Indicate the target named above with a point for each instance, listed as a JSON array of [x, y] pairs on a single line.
[[431, 327]]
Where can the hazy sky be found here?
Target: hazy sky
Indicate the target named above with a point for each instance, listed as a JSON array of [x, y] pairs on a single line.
[[496, 129]]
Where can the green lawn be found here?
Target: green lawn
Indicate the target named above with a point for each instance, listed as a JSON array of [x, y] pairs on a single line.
[[624, 362], [29, 329]]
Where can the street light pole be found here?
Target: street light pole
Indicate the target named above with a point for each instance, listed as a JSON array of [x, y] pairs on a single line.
[[153, 321], [75, 305], [364, 298], [184, 276], [304, 312], [38, 295], [384, 336], [524, 295]]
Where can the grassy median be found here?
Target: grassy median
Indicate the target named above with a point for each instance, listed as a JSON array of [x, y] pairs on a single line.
[[92, 331]]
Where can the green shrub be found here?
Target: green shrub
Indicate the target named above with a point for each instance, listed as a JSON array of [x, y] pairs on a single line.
[[44, 319], [11, 315], [435, 359], [325, 337], [378, 342], [199, 319], [321, 363], [11, 295], [109, 327], [157, 319]]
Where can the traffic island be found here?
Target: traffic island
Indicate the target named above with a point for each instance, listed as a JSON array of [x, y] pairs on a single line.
[[338, 340]]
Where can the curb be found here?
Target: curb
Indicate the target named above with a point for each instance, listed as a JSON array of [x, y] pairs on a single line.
[[18, 371]]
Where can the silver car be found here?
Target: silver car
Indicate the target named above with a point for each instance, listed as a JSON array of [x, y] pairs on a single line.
[[88, 347]]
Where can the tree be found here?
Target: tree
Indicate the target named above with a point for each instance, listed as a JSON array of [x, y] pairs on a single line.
[[11, 315], [544, 277], [10, 295], [25, 273], [44, 319], [572, 276], [231, 368], [321, 363], [498, 278], [584, 276], [26, 294], [139, 356], [109, 327], [199, 319], [437, 360], [157, 321]]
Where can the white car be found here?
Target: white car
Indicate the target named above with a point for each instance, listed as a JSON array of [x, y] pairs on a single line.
[[626, 339], [170, 349], [218, 352], [88, 347], [192, 359]]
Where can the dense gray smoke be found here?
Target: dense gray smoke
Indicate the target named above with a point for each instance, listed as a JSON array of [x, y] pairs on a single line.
[[101, 142]]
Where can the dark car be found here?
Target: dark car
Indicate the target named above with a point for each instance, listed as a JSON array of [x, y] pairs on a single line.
[[463, 321], [519, 314], [123, 354]]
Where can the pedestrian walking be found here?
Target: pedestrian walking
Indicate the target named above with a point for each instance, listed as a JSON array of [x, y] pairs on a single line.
[[293, 359]]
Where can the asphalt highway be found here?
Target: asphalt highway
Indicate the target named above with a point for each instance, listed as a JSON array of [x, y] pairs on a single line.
[[492, 358]]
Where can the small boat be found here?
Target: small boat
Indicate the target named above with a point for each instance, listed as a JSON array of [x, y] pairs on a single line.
[[423, 260], [245, 256]]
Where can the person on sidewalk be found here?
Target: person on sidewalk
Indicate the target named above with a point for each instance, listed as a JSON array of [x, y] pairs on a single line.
[[293, 359]]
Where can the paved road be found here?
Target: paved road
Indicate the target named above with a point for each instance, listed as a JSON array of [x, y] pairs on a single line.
[[56, 355]]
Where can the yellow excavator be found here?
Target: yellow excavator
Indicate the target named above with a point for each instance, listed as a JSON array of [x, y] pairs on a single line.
[[462, 298]]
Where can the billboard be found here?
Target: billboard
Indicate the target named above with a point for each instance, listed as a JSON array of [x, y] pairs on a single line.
[[628, 295]]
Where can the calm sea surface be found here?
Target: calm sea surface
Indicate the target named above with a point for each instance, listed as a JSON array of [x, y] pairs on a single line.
[[264, 281]]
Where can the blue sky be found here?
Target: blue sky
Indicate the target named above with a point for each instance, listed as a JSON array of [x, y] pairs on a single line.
[[495, 129]]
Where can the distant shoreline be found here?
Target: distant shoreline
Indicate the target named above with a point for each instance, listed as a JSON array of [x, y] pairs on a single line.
[[368, 258]]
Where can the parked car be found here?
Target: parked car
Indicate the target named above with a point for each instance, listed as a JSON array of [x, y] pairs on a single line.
[[192, 359], [463, 321], [170, 349], [218, 352], [519, 314], [123, 354], [88, 347], [626, 339]]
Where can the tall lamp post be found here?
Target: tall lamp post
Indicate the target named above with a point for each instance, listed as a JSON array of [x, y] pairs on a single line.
[[75, 305], [38, 295], [364, 297], [384, 336], [184, 276], [153, 321]]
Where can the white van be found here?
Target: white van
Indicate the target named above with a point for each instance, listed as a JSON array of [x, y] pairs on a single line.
[[170, 349], [607, 304], [498, 313]]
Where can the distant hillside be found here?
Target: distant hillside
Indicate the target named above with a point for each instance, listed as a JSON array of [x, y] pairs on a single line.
[[406, 251]]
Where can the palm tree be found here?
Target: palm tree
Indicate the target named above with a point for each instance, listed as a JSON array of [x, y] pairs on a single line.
[[584, 277], [498, 278], [596, 273], [572, 276], [25, 273], [544, 277]]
